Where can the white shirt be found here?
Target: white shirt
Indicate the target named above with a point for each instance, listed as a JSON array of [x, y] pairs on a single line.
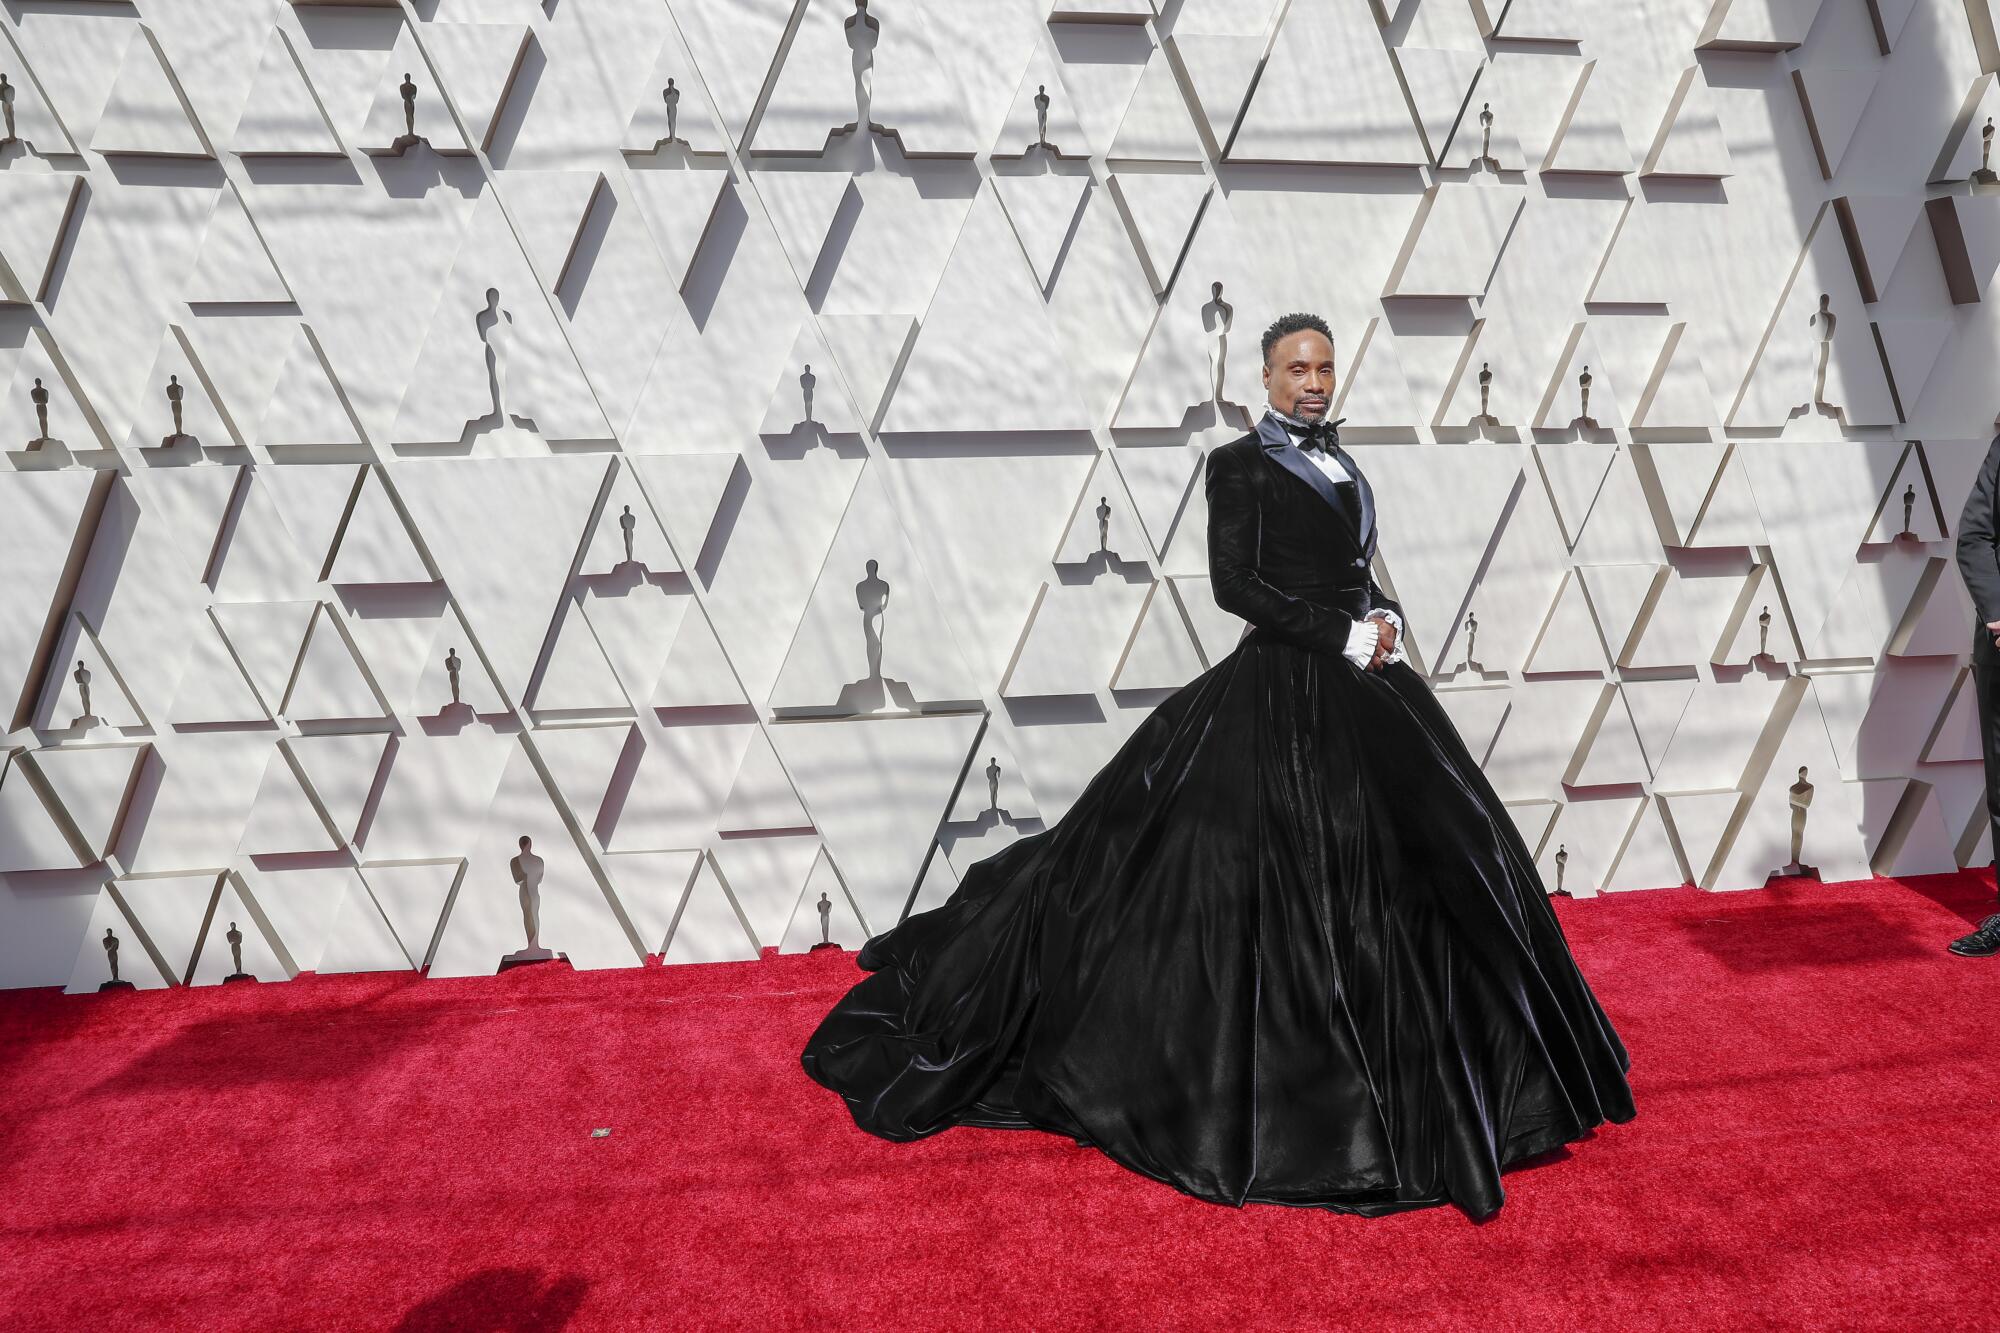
[[1362, 638]]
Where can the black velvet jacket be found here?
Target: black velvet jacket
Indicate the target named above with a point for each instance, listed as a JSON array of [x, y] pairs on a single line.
[[1978, 551], [1281, 553]]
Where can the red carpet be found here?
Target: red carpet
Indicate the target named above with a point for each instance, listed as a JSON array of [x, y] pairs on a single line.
[[1818, 1117]]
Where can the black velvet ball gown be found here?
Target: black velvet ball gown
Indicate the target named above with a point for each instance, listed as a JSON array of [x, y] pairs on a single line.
[[1285, 947]]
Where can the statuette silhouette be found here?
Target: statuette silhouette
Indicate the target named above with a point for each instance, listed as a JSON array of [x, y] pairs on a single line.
[[807, 383], [672, 97], [873, 690], [409, 138], [1041, 115], [1983, 176], [111, 957], [1486, 158], [495, 324], [1103, 523], [1583, 417], [992, 782], [82, 678], [40, 397], [1471, 639], [7, 110], [1485, 417], [1562, 866], [871, 594], [1909, 508], [1822, 319], [1764, 632], [235, 938], [526, 868], [627, 526], [451, 665], [1216, 316], [825, 906], [863, 31], [527, 871], [1801, 794], [175, 391]]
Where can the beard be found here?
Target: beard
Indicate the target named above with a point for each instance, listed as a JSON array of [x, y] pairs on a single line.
[[1306, 410]]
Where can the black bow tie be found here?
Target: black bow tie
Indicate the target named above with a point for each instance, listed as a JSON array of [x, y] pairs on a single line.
[[1321, 437]]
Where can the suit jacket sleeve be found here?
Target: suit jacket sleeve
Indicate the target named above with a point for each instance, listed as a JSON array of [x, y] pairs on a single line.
[[1978, 561], [1233, 521], [1377, 601]]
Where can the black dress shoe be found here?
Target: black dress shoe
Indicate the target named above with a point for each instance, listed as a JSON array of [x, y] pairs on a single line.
[[1982, 942]]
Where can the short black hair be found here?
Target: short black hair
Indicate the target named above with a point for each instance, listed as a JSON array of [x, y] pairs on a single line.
[[1284, 326]]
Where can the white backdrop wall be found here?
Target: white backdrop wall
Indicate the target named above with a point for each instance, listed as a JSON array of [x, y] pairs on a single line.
[[787, 487]]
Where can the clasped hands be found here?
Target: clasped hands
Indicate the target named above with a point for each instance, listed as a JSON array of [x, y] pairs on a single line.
[[1385, 642], [1993, 628]]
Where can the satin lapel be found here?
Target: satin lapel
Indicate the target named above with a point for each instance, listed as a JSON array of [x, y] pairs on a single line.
[[1367, 508], [1278, 446], [1303, 468]]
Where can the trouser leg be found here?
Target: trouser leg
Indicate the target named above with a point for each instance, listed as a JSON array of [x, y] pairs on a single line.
[[1986, 682]]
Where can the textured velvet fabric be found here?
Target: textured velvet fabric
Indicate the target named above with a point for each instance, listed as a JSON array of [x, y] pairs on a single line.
[[1286, 946]]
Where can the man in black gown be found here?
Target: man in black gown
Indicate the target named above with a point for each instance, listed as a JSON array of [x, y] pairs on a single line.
[[1287, 945]]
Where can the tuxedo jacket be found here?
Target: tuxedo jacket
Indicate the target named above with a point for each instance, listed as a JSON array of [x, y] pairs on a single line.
[[1979, 554], [1282, 553]]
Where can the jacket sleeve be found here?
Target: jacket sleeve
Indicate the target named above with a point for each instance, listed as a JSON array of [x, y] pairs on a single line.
[[1978, 561], [1377, 601], [1233, 524]]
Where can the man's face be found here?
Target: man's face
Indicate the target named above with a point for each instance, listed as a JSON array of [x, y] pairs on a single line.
[[1298, 375]]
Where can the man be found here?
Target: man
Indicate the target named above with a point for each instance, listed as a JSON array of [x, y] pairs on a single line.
[[1287, 945], [1979, 564], [1295, 434]]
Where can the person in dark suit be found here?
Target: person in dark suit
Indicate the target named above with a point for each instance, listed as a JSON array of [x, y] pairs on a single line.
[[1287, 945], [1373, 621], [1979, 565]]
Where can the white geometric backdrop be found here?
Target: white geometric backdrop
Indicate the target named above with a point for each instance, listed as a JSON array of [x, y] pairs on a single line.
[[794, 509]]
